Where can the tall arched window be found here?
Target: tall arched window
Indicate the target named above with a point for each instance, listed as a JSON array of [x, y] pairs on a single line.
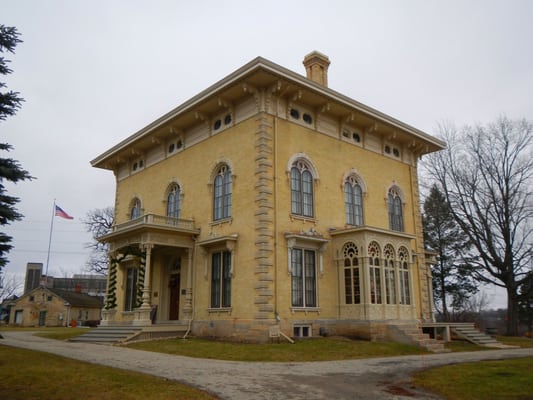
[[222, 193], [395, 210], [353, 201], [301, 189], [374, 254], [135, 211], [352, 283], [403, 271], [390, 279], [174, 201]]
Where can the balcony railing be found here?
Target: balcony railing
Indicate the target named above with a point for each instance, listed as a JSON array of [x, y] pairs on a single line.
[[153, 220]]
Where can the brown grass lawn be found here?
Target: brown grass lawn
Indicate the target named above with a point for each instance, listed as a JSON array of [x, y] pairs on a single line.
[[487, 380], [33, 375]]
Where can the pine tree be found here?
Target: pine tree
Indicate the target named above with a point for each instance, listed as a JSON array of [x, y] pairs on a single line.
[[10, 170], [453, 280]]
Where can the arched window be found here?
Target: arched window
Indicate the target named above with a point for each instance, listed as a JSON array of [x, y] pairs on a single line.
[[301, 189], [395, 210], [174, 201], [403, 271], [135, 210], [390, 279], [222, 193], [374, 254], [353, 201], [352, 283]]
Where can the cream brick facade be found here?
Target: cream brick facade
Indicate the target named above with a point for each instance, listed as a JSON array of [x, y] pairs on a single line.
[[257, 124]]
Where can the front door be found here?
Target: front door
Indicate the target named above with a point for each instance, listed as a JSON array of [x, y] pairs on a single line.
[[174, 286], [42, 318]]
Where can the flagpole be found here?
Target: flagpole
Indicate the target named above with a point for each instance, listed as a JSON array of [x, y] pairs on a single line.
[[50, 237]]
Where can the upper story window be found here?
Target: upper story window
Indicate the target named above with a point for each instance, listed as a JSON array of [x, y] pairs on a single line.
[[353, 201], [394, 203], [174, 201], [135, 210], [301, 189], [222, 193]]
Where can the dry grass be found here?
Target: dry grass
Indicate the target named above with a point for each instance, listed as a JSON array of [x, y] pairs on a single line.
[[33, 375], [316, 349], [487, 380]]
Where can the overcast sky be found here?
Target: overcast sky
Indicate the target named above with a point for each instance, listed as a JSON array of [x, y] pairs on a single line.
[[94, 72]]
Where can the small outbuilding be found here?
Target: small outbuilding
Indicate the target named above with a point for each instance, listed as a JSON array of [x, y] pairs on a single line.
[[53, 307]]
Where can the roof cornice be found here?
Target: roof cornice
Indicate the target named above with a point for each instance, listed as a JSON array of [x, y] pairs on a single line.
[[257, 64]]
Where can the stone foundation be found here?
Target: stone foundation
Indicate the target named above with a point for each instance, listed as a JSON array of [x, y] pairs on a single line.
[[258, 331]]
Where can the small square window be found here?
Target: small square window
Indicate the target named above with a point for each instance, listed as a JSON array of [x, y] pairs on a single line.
[[32, 298], [49, 298], [301, 331]]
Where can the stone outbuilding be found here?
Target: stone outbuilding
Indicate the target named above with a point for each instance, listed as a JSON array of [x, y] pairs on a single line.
[[53, 307]]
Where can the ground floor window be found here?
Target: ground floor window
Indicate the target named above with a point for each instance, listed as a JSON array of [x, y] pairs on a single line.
[[130, 300], [303, 282], [221, 279], [403, 270], [352, 282]]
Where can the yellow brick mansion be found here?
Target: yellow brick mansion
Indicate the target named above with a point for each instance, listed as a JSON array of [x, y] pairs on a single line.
[[267, 201]]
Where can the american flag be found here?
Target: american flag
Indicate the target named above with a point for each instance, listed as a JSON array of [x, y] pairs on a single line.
[[60, 213]]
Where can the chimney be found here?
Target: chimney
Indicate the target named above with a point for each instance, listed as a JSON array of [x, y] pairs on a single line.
[[316, 66]]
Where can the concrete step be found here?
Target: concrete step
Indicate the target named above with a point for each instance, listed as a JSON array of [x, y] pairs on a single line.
[[471, 334], [108, 334]]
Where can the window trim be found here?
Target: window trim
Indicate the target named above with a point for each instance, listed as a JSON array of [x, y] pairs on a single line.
[[395, 208], [222, 203], [178, 195], [302, 201]]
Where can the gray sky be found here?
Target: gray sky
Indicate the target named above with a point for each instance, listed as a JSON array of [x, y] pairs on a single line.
[[94, 72]]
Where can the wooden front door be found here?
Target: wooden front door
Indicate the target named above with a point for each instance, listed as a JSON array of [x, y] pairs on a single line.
[[174, 306], [42, 318]]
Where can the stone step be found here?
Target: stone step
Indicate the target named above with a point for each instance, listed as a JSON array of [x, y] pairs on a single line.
[[109, 334]]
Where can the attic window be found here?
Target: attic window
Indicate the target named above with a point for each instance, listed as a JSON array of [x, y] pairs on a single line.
[[346, 134], [307, 119], [295, 113], [32, 298], [217, 124], [171, 147], [134, 167], [387, 149], [227, 119], [179, 145], [356, 138], [396, 152]]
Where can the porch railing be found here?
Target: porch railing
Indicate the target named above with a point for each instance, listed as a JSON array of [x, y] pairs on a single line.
[[155, 220]]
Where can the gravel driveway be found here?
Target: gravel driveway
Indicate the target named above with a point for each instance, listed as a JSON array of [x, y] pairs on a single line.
[[376, 378]]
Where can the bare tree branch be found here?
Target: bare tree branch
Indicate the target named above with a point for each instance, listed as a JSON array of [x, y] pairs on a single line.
[[98, 222], [486, 174]]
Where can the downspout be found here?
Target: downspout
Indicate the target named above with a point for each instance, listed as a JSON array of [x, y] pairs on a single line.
[[192, 288], [275, 215]]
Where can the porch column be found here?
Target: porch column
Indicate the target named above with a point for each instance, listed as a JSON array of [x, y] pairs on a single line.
[[142, 314], [187, 308], [147, 284]]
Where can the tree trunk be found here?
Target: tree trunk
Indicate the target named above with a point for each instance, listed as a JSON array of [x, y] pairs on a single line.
[[512, 313]]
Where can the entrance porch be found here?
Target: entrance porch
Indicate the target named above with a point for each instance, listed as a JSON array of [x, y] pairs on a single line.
[[150, 271]]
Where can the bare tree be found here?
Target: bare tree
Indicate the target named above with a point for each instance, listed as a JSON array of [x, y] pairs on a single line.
[[486, 174], [9, 285], [98, 222]]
